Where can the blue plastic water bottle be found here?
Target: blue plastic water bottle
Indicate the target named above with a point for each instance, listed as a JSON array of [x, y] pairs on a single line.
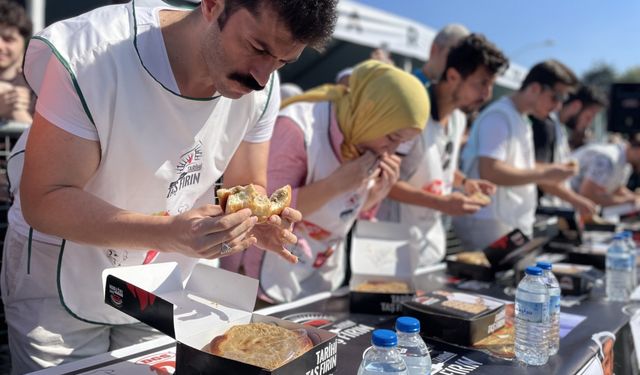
[[619, 270], [383, 356], [554, 306], [532, 318], [412, 347]]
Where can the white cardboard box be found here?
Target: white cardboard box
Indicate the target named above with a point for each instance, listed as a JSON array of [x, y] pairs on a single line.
[[209, 303]]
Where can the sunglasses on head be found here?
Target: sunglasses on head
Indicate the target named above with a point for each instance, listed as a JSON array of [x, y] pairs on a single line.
[[558, 97]]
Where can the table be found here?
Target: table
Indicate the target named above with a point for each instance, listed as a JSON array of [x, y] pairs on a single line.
[[577, 353]]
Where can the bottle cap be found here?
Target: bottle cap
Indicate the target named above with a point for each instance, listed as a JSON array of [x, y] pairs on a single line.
[[544, 265], [407, 324], [534, 271], [384, 337]]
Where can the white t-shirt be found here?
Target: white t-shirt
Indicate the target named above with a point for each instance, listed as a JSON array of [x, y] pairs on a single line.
[[603, 164], [59, 103], [503, 133]]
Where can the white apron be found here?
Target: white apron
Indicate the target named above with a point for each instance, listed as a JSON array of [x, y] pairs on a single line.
[[321, 266], [160, 152], [513, 206], [431, 177]]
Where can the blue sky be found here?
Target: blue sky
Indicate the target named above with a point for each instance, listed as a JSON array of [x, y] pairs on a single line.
[[584, 32]]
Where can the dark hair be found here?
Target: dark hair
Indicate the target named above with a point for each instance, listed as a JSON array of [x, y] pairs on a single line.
[[13, 14], [588, 96], [309, 21], [548, 73], [473, 52]]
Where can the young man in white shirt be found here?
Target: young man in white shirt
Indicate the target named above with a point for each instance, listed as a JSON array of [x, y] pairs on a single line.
[[500, 149], [140, 111], [552, 144], [430, 172], [604, 170]]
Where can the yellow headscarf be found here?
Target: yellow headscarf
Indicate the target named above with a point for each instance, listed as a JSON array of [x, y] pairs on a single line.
[[380, 100]]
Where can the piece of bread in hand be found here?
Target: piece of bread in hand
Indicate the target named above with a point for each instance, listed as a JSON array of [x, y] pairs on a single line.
[[480, 198], [239, 197], [260, 344]]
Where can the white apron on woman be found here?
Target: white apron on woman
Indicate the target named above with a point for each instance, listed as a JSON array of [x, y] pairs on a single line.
[[321, 266]]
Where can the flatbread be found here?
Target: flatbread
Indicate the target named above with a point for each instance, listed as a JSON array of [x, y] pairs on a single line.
[[477, 258], [383, 287], [481, 198], [261, 344]]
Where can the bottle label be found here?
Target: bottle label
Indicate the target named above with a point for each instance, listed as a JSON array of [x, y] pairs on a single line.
[[620, 263], [534, 312], [554, 304]]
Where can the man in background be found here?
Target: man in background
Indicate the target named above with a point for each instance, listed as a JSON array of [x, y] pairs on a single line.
[[16, 99], [500, 149], [551, 139], [446, 38]]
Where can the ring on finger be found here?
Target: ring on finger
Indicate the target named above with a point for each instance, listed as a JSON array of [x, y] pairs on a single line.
[[225, 248]]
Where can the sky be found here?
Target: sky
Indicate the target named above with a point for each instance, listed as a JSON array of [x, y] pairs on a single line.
[[580, 33]]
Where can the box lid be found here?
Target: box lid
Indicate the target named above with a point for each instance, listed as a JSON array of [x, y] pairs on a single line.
[[156, 295], [381, 249], [507, 248]]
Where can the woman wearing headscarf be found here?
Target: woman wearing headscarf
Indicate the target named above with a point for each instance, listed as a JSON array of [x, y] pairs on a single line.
[[335, 147]]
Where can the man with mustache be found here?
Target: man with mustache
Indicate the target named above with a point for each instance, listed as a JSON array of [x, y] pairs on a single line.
[[430, 172], [551, 139], [140, 111]]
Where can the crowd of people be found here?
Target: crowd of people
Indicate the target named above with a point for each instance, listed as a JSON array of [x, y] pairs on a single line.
[[140, 111]]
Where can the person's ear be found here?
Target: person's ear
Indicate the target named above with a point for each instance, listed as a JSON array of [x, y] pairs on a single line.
[[212, 9], [453, 76]]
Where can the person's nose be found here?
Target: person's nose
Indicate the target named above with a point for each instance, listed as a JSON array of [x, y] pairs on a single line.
[[263, 68]]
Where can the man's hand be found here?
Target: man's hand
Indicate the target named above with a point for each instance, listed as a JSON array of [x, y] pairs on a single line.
[[556, 173], [206, 232], [472, 186], [277, 232], [456, 204], [584, 206]]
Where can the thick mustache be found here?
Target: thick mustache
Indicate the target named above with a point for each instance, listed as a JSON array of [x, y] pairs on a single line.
[[246, 80]]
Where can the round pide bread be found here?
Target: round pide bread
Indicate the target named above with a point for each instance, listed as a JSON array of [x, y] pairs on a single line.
[[263, 345], [239, 197]]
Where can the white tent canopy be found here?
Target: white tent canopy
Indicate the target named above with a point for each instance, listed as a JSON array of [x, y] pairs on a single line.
[[359, 29]]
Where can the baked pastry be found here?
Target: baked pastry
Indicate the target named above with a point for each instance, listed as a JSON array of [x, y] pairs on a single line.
[[473, 257], [239, 197], [263, 345], [472, 308], [383, 287], [481, 198]]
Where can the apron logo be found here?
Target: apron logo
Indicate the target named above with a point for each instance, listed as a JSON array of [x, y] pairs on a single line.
[[187, 170], [322, 257], [434, 187]]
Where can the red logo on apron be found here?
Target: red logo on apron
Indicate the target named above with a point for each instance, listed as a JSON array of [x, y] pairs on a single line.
[[434, 187], [322, 257]]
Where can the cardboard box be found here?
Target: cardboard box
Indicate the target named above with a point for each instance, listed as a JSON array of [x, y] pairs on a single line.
[[212, 301], [502, 255], [575, 279], [570, 227], [380, 252], [442, 315]]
